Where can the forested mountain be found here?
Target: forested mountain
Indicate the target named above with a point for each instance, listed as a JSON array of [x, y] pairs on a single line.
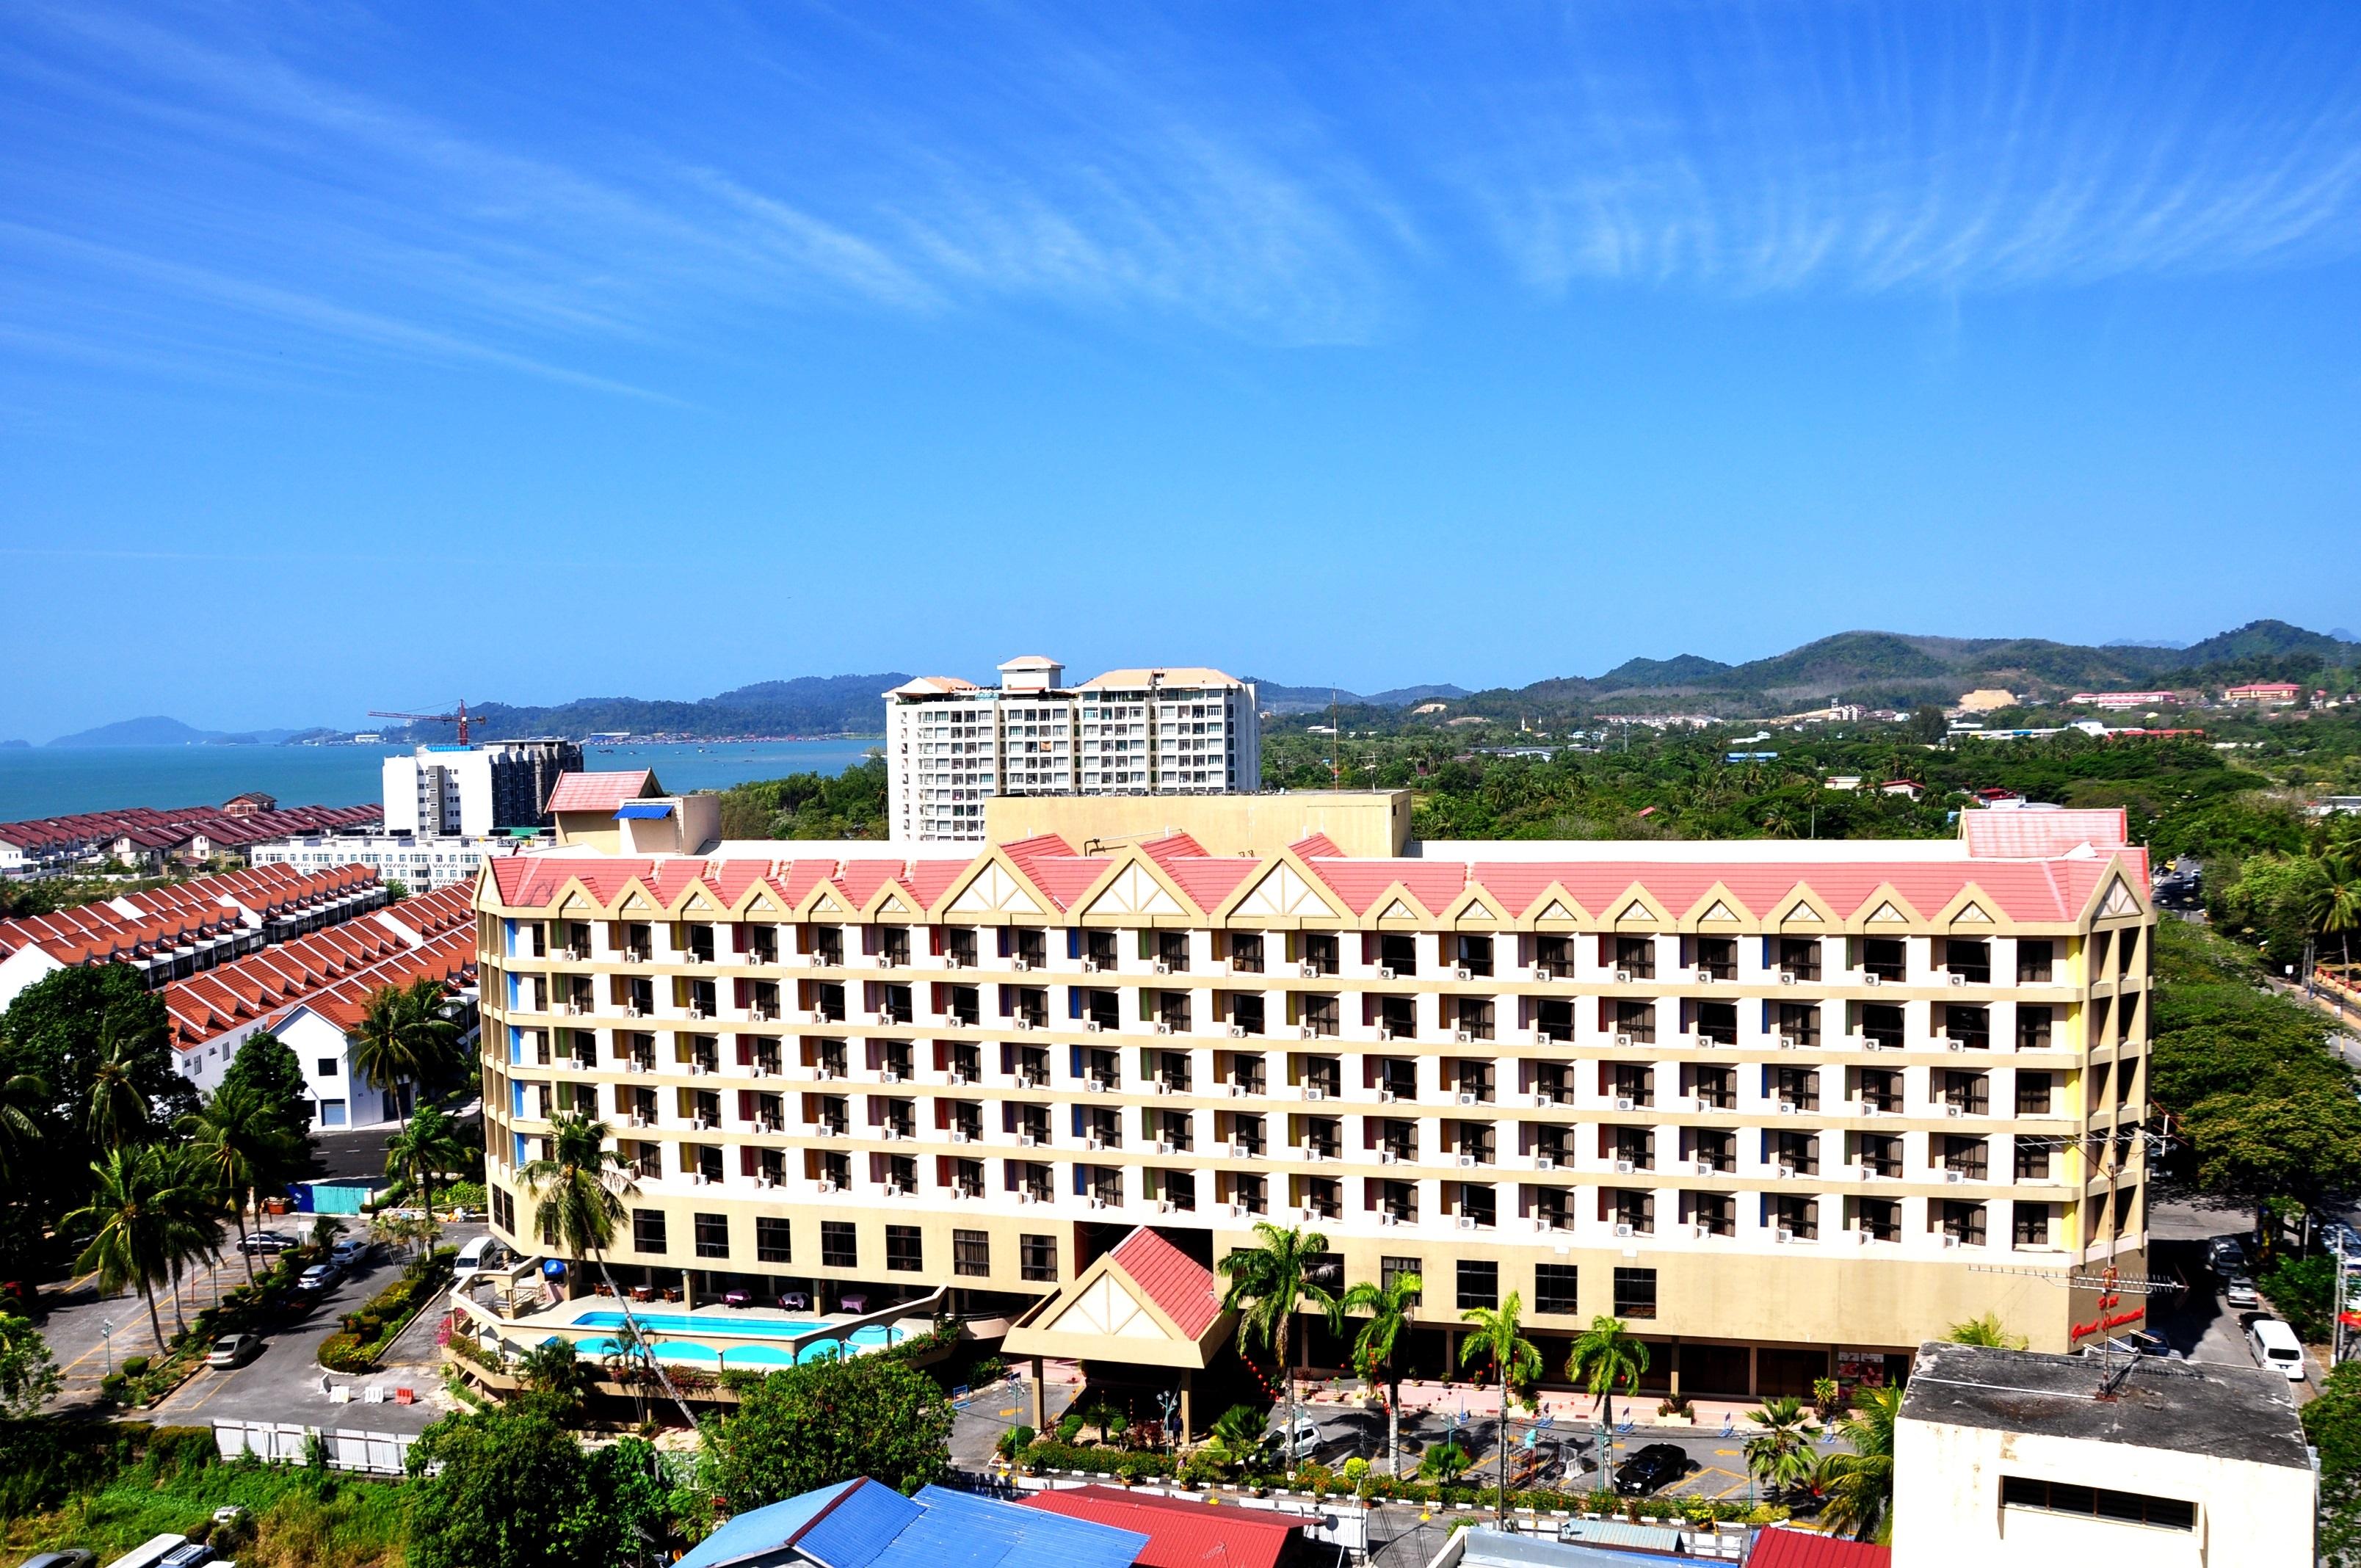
[[808, 705]]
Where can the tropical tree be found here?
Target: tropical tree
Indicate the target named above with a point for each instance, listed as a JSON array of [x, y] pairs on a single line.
[[22, 1099], [1606, 1354], [1389, 1308], [132, 1243], [1269, 1285], [118, 1111], [1779, 1455], [1499, 1337], [2334, 902], [1986, 1331], [239, 1139], [1859, 1486], [578, 1191], [428, 1146], [403, 1036], [29, 1374]]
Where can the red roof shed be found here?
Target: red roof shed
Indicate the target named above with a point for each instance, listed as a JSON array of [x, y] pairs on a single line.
[[1179, 1534]]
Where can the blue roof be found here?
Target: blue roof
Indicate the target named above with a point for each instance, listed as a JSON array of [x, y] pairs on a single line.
[[644, 810], [866, 1524]]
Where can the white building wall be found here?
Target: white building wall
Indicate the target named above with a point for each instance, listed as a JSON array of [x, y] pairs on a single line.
[[1947, 1512], [400, 791], [421, 863]]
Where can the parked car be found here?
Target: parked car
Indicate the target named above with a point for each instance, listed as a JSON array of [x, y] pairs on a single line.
[[319, 1276], [1651, 1468], [2226, 1256], [232, 1350], [72, 1557], [268, 1241], [2240, 1292], [349, 1252]]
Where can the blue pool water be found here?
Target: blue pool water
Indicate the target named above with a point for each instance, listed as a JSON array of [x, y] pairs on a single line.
[[685, 1353]]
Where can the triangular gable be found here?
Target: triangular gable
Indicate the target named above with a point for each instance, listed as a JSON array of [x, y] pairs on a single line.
[[995, 887], [1396, 906], [1802, 909], [698, 900], [890, 900], [758, 899], [1717, 907], [1636, 907], [2119, 899], [1474, 906], [1136, 887], [1553, 908], [1109, 1308], [1969, 906], [822, 899], [636, 899], [1884, 912], [1286, 891]]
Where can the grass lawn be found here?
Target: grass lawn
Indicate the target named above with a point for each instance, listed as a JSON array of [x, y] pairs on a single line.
[[298, 1520]]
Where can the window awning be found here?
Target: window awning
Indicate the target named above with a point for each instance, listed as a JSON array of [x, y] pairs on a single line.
[[644, 811]]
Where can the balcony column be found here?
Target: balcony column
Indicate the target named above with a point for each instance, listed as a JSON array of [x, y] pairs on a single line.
[[1041, 1399]]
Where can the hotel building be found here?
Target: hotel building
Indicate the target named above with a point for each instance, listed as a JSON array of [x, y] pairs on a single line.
[[950, 745], [1788, 1108]]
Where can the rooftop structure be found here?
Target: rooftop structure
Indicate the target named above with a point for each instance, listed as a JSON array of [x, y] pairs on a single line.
[[2007, 1457], [2265, 694], [1181, 1533], [951, 745], [1786, 1107], [476, 791], [182, 929], [146, 836], [2123, 699], [863, 1524]]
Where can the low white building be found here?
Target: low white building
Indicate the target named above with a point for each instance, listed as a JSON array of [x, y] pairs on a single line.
[[475, 791], [421, 862], [2003, 1458]]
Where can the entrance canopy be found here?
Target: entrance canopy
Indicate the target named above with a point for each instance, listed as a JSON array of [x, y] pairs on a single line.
[[1145, 1302]]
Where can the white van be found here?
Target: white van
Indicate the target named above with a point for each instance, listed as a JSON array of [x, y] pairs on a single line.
[[2276, 1346], [484, 1252]]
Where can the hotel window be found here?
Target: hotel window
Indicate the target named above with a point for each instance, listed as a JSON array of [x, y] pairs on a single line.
[[971, 1253], [773, 1241], [903, 1249], [1479, 1283], [713, 1235], [648, 1230], [2097, 1502], [1554, 1287], [1037, 1259], [1390, 1269], [1635, 1292], [838, 1247]]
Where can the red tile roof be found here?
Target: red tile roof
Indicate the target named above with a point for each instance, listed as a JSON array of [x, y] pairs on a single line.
[[2017, 834], [1777, 1548], [162, 918], [600, 791], [1179, 1534], [448, 959], [1181, 1286]]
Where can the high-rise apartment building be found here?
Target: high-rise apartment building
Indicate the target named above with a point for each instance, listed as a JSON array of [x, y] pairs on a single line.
[[476, 790], [1787, 1108], [953, 745]]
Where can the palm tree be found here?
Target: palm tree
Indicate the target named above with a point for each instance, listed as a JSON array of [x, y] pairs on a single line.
[[2334, 904], [193, 1199], [578, 1191], [1497, 1337], [22, 1097], [118, 1111], [1389, 1308], [1605, 1356], [1860, 1484], [1986, 1331], [1269, 1285], [240, 1140], [403, 1036], [133, 1243], [1780, 1455], [428, 1144]]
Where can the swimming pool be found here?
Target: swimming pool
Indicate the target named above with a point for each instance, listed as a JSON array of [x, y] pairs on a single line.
[[733, 1327], [684, 1353]]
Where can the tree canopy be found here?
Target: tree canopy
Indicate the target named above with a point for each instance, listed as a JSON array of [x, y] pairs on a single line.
[[827, 1422]]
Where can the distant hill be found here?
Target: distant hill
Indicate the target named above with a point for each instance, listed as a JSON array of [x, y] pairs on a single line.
[[1275, 697], [808, 705]]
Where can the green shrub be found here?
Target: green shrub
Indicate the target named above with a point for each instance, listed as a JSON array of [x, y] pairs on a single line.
[[115, 1388], [175, 1451], [1070, 1426], [137, 1366], [344, 1353]]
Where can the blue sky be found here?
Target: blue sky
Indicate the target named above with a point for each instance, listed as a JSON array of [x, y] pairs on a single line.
[[357, 355]]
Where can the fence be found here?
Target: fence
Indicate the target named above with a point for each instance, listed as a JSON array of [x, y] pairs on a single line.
[[285, 1442]]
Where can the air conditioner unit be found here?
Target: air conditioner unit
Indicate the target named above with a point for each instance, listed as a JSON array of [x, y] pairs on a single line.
[[1314, 1091], [1235, 1210], [1464, 1037], [1388, 1157], [1023, 1020], [1706, 1167], [1385, 1096], [1626, 1102], [1467, 1222], [698, 1070], [1388, 1217], [1466, 1161], [1385, 1032], [1469, 1097], [962, 1135], [1094, 1086], [1461, 972], [1309, 1033], [1094, 1141], [1162, 1027], [888, 1075], [1544, 1097], [1869, 979], [1623, 1041], [1309, 972], [1163, 1086], [1024, 1195], [1098, 1203], [631, 1011], [1787, 1108], [1311, 1153], [1954, 1178], [1544, 1162], [1235, 1087], [1951, 1045], [636, 1120], [1543, 971], [765, 1179], [1236, 1151], [1164, 1205], [826, 1185], [958, 1079], [1022, 966], [1949, 1240], [1163, 968], [1785, 1170], [955, 1193], [1028, 1141], [1956, 979], [1622, 977], [1704, 975], [1626, 1231], [1786, 977], [1092, 1027], [1238, 1031], [1951, 1110], [1090, 966], [1625, 1167], [1791, 1041], [1385, 972]]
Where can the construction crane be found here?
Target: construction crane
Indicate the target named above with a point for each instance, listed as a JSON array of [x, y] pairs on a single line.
[[459, 719]]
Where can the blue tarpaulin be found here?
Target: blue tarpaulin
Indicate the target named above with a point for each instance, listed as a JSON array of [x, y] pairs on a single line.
[[644, 810]]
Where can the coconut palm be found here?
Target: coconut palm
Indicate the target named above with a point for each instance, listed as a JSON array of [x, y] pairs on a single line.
[[1986, 1331], [1780, 1454], [1605, 1356], [1859, 1486], [118, 1111], [428, 1146], [403, 1036], [132, 1242], [192, 1201], [22, 1098], [1499, 1337], [1269, 1285], [239, 1139], [578, 1191], [2334, 904], [1389, 1308]]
